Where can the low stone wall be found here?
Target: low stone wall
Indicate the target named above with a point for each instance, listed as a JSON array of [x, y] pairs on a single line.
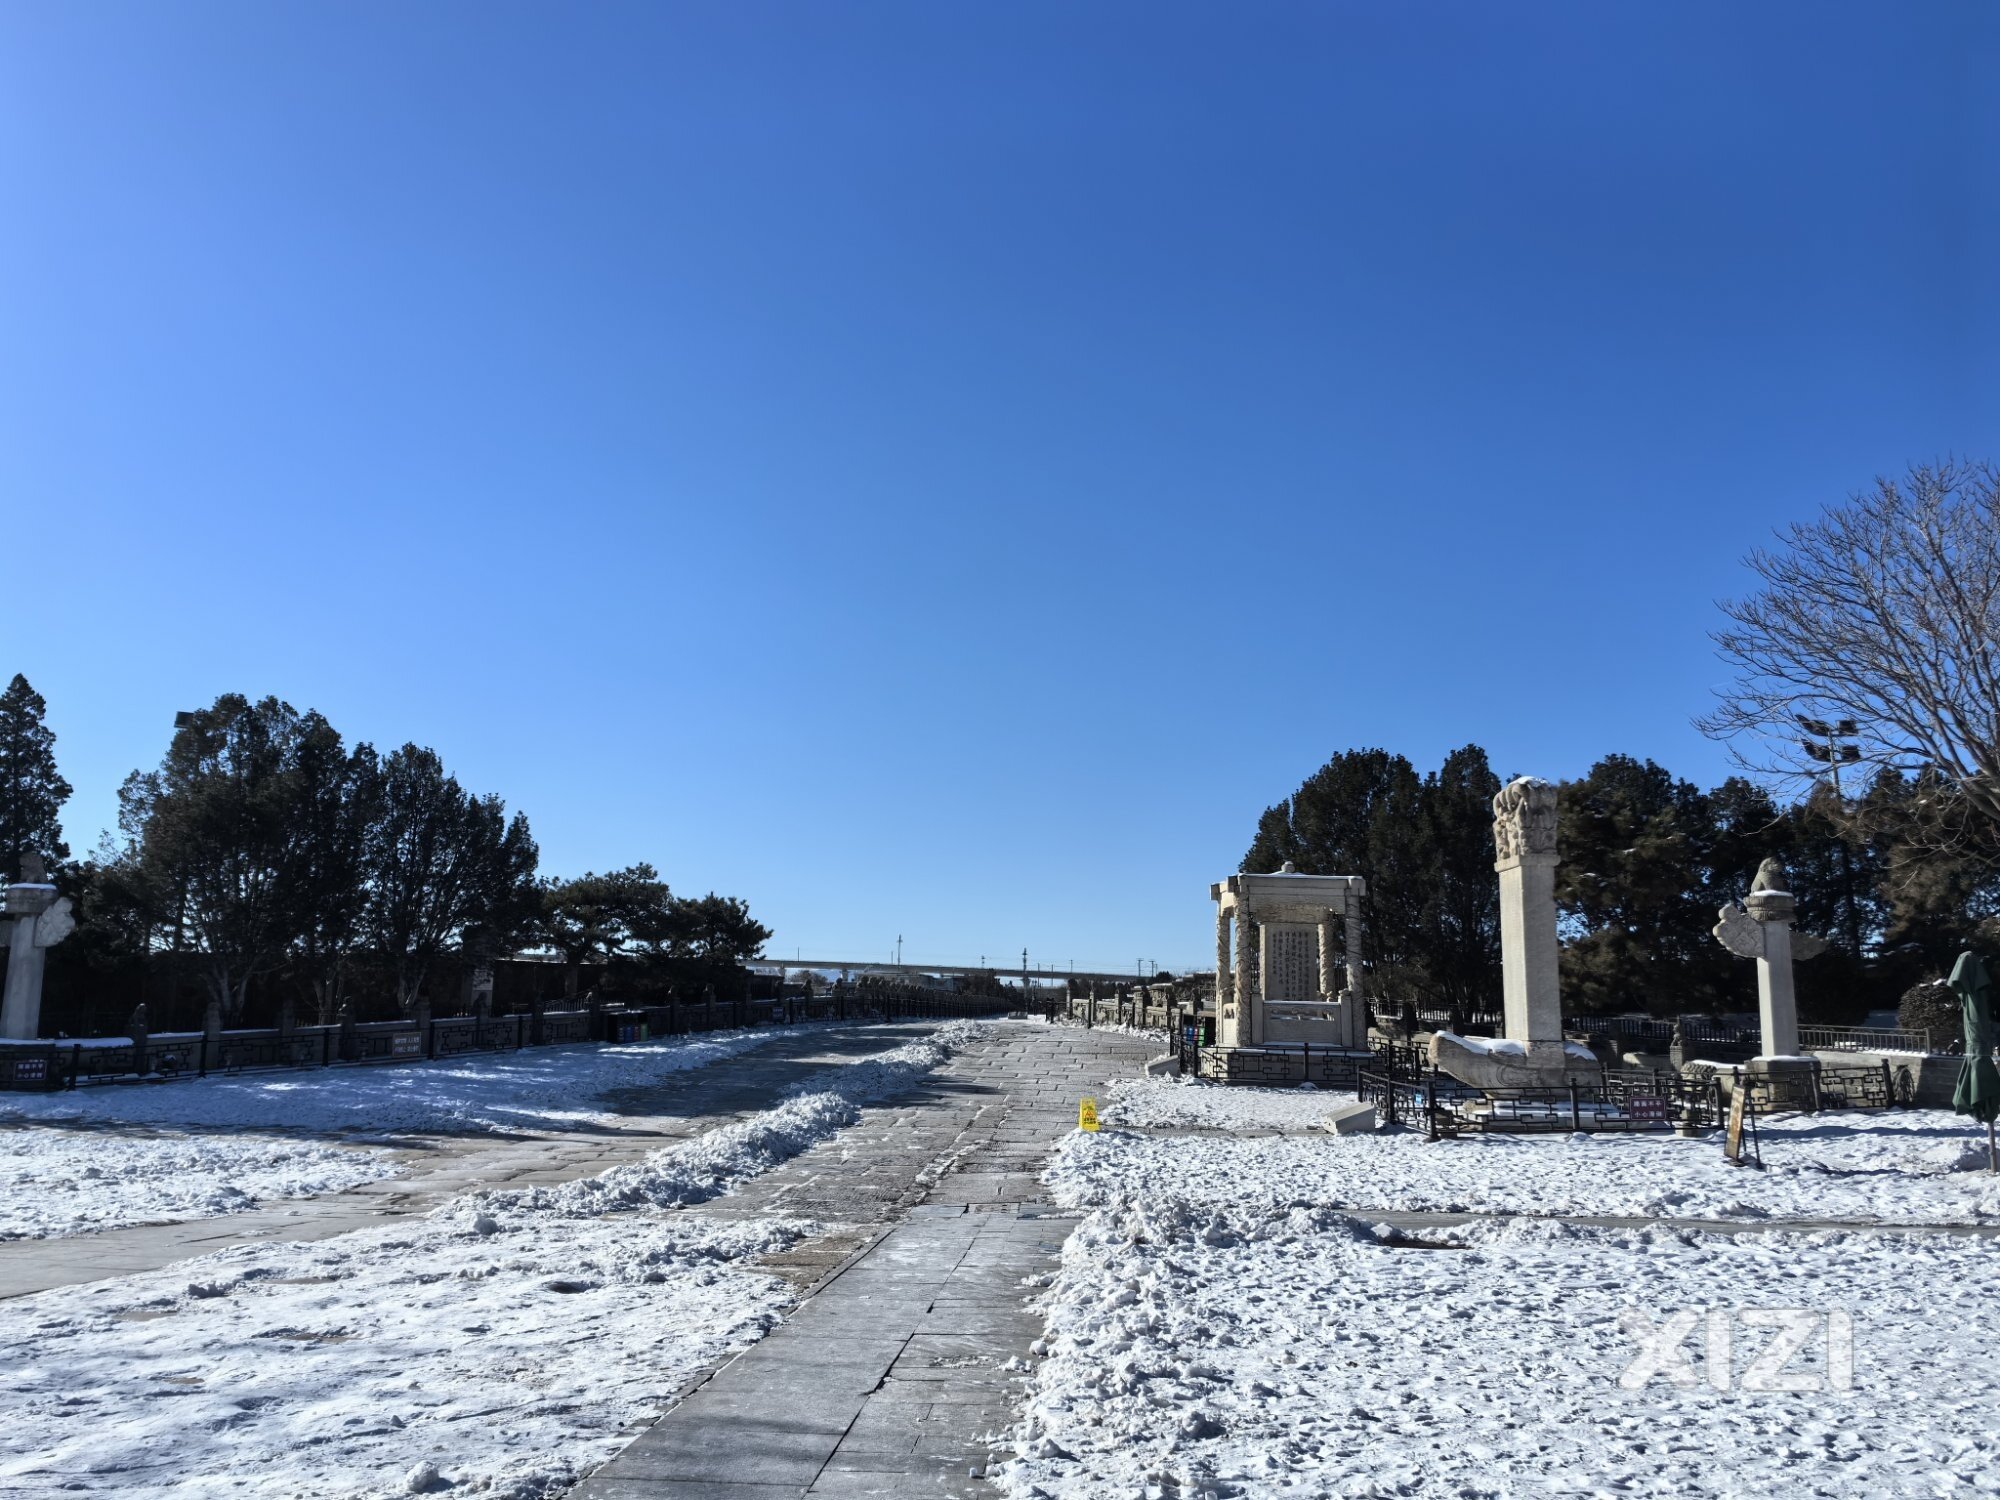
[[1932, 1075], [1280, 1067], [67, 1062]]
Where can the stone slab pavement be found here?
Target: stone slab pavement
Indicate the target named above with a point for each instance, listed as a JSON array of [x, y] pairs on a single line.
[[891, 1376], [438, 1167]]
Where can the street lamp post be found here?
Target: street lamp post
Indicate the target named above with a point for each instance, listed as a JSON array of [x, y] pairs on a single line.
[[1831, 744]]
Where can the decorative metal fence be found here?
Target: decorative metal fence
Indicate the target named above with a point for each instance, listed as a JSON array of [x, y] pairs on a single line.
[[1865, 1038], [1655, 1034], [1420, 1103], [1623, 1102], [1399, 1059]]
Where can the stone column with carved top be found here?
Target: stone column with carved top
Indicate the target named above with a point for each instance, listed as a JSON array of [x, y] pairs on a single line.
[[33, 921], [1532, 1054], [1761, 928], [1524, 849]]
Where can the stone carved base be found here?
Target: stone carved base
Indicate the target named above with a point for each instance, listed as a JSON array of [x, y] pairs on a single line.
[[1487, 1064]]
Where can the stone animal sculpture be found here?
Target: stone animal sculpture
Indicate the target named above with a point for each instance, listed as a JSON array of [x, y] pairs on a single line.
[[1770, 876]]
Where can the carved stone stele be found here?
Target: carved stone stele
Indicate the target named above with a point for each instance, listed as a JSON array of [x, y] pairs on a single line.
[[1524, 820]]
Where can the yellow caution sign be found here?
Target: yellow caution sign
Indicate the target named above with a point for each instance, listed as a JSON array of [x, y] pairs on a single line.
[[1086, 1114]]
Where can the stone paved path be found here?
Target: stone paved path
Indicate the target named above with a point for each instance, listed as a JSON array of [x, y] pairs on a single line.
[[439, 1167], [890, 1377], [1418, 1219]]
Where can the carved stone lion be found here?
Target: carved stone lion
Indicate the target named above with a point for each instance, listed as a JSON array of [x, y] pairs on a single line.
[[1770, 876]]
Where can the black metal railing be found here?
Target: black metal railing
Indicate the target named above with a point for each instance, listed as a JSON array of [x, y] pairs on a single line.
[[1865, 1038], [1621, 1101], [1656, 1034], [1421, 1103]]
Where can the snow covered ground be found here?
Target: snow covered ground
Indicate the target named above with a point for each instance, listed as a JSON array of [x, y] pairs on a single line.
[[501, 1347], [115, 1155], [538, 1088], [1228, 1319], [1203, 1349], [1188, 1102], [1900, 1166], [55, 1181]]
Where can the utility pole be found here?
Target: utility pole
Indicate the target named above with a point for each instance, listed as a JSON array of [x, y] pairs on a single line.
[[1025, 991], [899, 950]]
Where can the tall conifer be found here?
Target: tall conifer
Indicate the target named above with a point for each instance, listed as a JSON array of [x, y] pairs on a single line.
[[31, 791]]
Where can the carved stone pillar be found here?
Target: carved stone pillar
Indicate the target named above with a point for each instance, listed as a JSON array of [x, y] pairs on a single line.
[[35, 919], [1221, 956], [1248, 1012], [1524, 845], [1357, 999], [1777, 1004], [1326, 964], [1761, 928]]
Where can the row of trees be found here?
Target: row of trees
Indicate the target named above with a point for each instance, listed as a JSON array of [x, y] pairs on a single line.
[[1871, 645], [646, 937], [280, 860], [1647, 859]]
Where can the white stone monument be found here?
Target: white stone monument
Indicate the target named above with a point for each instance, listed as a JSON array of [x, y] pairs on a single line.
[[1761, 928], [1533, 1053], [1282, 990], [33, 919]]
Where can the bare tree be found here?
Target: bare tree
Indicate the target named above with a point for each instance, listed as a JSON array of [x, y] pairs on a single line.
[[1884, 611]]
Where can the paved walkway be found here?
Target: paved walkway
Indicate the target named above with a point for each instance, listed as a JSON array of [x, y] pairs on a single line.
[[440, 1167], [1418, 1219], [889, 1379]]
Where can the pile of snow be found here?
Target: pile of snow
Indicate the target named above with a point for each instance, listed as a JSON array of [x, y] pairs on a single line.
[[70, 1163], [503, 1346], [1907, 1167], [57, 1181], [1107, 1012], [820, 1105], [1211, 1106], [538, 1088], [1500, 1046], [1257, 1350]]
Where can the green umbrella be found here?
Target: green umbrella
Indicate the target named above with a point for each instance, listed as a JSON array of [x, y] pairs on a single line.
[[1978, 1091]]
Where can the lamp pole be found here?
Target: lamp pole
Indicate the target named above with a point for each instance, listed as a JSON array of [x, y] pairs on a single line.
[[1832, 745]]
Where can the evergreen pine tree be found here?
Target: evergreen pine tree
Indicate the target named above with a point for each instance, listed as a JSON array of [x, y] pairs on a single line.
[[31, 792]]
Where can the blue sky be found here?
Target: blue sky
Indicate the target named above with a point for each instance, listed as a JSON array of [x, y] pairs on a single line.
[[941, 470]]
